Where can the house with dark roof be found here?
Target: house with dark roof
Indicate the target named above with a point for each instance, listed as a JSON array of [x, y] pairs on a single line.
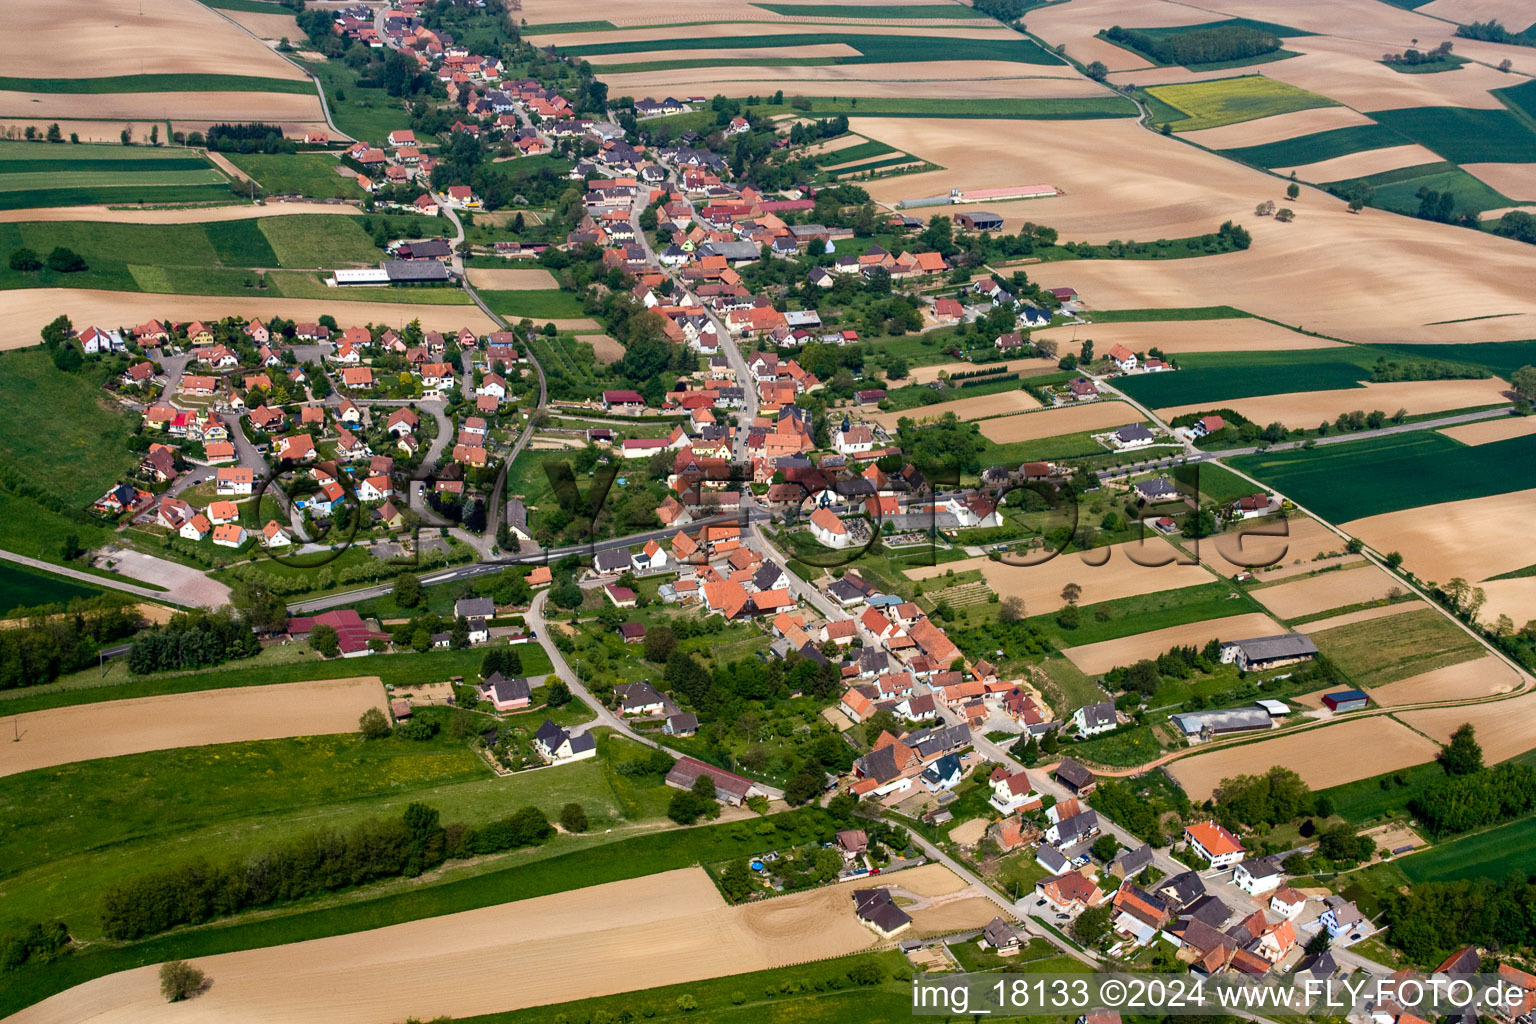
[[1092, 719], [506, 694], [1075, 777], [1181, 890], [1002, 937], [555, 744], [639, 699], [1268, 652], [730, 788], [877, 909], [684, 723], [1130, 863]]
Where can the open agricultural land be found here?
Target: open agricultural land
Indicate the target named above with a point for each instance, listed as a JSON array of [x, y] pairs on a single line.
[[710, 449]]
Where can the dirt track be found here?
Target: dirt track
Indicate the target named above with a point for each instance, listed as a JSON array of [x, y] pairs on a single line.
[[1107, 654], [662, 929], [113, 728]]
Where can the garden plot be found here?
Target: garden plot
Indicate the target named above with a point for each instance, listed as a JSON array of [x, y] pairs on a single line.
[[661, 929], [1054, 422], [1096, 659], [965, 408], [1373, 746], [1337, 589], [1479, 677], [1307, 408], [1504, 727], [1175, 337], [117, 727], [1475, 538], [604, 349], [1110, 575]]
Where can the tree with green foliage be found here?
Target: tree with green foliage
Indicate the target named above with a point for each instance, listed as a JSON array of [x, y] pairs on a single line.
[[66, 261], [373, 725], [1524, 380], [805, 786], [324, 641], [573, 818], [407, 592], [179, 980], [1097, 70], [25, 260], [1273, 798], [265, 610], [1463, 755], [1105, 847], [1092, 925], [736, 881]]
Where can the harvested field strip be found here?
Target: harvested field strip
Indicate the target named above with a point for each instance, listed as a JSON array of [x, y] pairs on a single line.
[[1096, 659], [876, 12], [1478, 538], [1382, 651], [1054, 422], [1362, 164], [1476, 677], [1376, 745], [1115, 316], [1273, 546], [1401, 471], [1221, 101], [1104, 574], [1066, 109], [625, 859], [1338, 589], [1304, 410], [1504, 727], [1244, 334], [873, 49], [965, 408], [114, 728], [666, 928], [1309, 149], [155, 83], [1363, 615]]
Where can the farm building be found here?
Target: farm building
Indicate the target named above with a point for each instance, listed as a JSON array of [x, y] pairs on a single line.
[[1218, 723], [1268, 652], [1075, 777], [980, 220], [729, 788], [1346, 700]]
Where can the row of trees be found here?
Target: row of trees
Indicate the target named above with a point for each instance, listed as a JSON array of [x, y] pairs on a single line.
[[320, 861], [1200, 46], [55, 640]]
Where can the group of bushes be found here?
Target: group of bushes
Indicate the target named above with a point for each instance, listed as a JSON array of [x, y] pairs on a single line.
[[59, 639], [1466, 802], [321, 861], [195, 639]]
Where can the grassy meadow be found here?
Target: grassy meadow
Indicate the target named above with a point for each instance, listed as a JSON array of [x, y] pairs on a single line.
[[39, 174]]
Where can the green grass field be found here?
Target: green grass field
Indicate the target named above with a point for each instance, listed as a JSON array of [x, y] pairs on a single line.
[[101, 821], [364, 112], [536, 303], [247, 6], [1382, 651], [1222, 101], [873, 49], [50, 419], [309, 174], [1499, 357], [1220, 376], [37, 174], [1397, 190], [21, 587], [874, 165], [1306, 149], [866, 150], [156, 83], [1143, 613], [209, 259], [1409, 470], [1462, 135], [1496, 853]]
